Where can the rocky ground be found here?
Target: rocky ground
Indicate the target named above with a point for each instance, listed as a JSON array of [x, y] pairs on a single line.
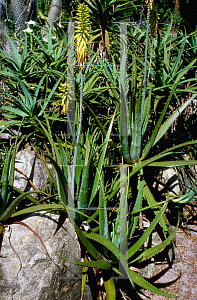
[[180, 278]]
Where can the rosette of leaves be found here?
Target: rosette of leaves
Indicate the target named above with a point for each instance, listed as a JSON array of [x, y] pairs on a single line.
[[102, 250]]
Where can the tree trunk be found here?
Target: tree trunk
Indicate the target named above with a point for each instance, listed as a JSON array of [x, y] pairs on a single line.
[[54, 11], [18, 11], [2, 19]]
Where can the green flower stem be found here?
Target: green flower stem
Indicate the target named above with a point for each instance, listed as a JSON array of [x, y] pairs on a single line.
[[145, 65], [78, 134]]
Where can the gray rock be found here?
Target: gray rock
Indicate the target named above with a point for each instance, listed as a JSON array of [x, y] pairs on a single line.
[[187, 175], [170, 178], [7, 133], [179, 179], [39, 278], [30, 165]]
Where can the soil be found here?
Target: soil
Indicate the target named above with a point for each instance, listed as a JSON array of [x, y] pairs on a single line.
[[180, 278]]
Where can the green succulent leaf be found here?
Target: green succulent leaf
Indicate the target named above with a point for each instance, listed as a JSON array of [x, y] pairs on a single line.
[[5, 182], [137, 279], [149, 253], [110, 289], [133, 249], [9, 211], [101, 264], [109, 245]]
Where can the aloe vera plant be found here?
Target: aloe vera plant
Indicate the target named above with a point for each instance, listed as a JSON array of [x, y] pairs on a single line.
[[82, 162], [10, 197], [136, 155], [32, 62], [108, 257], [8, 203], [111, 257], [87, 187]]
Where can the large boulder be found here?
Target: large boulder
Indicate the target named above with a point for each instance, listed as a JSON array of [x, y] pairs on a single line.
[[26, 272], [29, 169]]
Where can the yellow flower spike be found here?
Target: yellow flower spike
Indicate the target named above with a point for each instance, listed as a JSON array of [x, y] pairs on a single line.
[[149, 2], [81, 33], [64, 89]]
